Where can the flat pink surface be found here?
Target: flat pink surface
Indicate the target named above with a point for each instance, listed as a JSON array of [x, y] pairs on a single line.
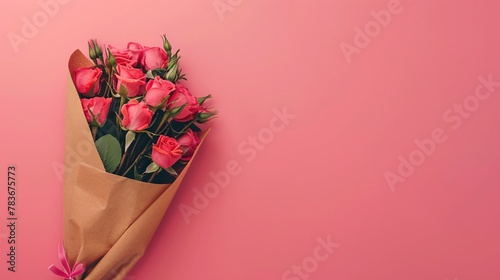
[[321, 173]]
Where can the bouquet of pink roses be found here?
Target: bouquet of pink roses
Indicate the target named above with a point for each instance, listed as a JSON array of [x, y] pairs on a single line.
[[136, 129]]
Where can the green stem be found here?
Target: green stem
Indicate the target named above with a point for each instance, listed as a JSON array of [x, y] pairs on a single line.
[[121, 162], [186, 127], [94, 131], [154, 175], [166, 129], [163, 120], [136, 160], [136, 141], [122, 101], [109, 82]]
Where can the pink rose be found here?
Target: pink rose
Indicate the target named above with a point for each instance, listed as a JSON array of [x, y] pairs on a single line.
[[189, 142], [154, 58], [122, 56], [180, 97], [136, 116], [157, 91], [166, 152], [136, 50], [87, 80], [96, 109], [131, 78]]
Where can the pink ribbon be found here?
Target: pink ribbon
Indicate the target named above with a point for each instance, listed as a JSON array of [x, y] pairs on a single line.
[[68, 273]]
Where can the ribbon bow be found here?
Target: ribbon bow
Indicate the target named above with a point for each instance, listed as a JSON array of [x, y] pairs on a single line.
[[68, 273]]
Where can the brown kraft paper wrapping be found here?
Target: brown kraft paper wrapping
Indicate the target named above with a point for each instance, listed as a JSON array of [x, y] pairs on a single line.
[[109, 220]]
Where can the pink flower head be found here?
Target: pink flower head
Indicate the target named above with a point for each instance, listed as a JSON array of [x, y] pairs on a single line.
[[122, 56], [136, 116], [158, 91], [87, 80], [132, 79], [166, 152], [180, 97], [189, 142], [96, 109], [154, 58], [136, 51]]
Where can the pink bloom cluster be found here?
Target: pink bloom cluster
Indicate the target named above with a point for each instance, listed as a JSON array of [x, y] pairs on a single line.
[[136, 83]]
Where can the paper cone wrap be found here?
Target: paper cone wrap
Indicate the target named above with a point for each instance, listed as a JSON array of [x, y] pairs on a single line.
[[109, 220]]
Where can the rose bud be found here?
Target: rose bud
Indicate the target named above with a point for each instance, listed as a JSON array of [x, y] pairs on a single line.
[[158, 91], [92, 53], [166, 45], [189, 142], [181, 96], [204, 115], [122, 56], [136, 50], [110, 60], [98, 50], [166, 152], [136, 116], [134, 80], [96, 110], [154, 58], [87, 80], [173, 74]]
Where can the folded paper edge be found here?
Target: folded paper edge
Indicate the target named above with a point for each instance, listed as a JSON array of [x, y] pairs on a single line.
[[77, 60], [157, 207]]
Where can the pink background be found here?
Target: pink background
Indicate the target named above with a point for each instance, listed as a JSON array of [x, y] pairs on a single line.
[[323, 175]]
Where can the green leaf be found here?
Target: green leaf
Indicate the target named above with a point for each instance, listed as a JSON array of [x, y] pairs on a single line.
[[171, 171], [205, 117], [123, 91], [110, 152], [137, 175], [202, 100], [153, 167], [129, 138], [176, 111]]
